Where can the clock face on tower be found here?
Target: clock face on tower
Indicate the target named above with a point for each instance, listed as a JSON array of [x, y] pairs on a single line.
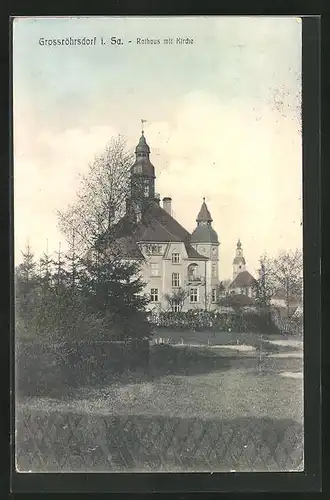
[[203, 250]]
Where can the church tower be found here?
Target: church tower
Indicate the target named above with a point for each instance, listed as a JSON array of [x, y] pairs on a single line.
[[239, 261], [142, 181], [205, 240]]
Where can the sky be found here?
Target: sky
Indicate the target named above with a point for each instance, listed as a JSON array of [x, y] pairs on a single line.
[[222, 122]]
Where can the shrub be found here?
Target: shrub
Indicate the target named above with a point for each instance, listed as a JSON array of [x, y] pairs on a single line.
[[246, 321]]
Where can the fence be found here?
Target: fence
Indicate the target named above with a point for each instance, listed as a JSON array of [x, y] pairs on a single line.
[[68, 442]]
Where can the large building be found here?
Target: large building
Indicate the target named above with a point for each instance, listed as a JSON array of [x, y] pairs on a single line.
[[180, 269]]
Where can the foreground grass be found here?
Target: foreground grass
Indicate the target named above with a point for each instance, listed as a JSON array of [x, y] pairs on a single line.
[[231, 420], [196, 409], [229, 394]]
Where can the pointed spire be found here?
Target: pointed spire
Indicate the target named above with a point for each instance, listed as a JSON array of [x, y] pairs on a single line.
[[204, 214], [142, 149], [142, 125], [239, 244]]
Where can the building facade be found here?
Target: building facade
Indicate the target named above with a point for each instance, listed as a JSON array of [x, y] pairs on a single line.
[[181, 270]]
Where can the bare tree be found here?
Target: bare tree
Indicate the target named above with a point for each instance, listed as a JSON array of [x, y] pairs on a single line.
[[100, 201], [288, 273], [176, 298], [282, 274]]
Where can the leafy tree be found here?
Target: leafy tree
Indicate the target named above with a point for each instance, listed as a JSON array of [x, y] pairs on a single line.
[[109, 287], [265, 285], [115, 292]]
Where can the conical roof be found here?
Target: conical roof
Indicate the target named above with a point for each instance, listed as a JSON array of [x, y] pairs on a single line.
[[204, 214], [142, 146], [204, 232], [142, 164]]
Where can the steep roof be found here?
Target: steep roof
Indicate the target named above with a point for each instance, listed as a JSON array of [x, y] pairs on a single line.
[[243, 279], [156, 225], [238, 300], [204, 214], [204, 234]]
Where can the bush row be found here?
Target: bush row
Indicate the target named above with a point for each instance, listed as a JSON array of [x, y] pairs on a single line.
[[246, 321]]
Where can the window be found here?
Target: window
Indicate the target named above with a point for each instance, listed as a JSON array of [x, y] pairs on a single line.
[[175, 280], [193, 294], [153, 249], [154, 270], [175, 258], [176, 306], [192, 272], [146, 188], [154, 294], [214, 295], [214, 271]]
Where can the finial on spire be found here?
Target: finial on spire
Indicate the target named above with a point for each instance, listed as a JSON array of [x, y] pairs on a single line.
[[142, 126], [203, 199]]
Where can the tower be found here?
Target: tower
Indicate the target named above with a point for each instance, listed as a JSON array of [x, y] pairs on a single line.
[[239, 261], [205, 240], [142, 181]]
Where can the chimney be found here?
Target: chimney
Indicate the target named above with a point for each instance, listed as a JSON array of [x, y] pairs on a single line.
[[157, 198], [167, 205]]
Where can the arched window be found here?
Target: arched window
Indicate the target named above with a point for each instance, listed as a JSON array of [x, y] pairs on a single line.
[[192, 272]]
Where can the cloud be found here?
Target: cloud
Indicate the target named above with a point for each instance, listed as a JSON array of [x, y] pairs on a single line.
[[243, 156], [46, 176], [246, 159]]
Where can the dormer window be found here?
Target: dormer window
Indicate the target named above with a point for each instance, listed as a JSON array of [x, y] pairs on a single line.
[[175, 258]]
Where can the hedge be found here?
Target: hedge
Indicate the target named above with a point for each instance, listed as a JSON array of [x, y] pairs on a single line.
[[243, 321], [45, 367]]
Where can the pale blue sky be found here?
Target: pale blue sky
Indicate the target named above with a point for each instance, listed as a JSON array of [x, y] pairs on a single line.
[[228, 100]]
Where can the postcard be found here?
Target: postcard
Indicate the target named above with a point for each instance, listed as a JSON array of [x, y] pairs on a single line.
[[158, 244]]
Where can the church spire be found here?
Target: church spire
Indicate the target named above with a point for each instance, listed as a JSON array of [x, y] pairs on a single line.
[[239, 261]]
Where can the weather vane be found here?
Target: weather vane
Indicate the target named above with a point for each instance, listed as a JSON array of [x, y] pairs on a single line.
[[142, 122]]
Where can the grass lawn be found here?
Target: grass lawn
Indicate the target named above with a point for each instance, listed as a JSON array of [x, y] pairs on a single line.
[[215, 412]]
